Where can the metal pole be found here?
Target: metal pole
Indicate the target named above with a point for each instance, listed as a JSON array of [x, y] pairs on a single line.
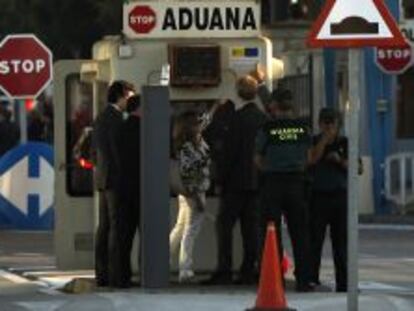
[[353, 180], [22, 121], [155, 190]]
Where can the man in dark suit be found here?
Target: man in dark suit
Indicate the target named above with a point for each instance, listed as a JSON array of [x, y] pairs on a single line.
[[130, 185], [239, 187], [107, 138]]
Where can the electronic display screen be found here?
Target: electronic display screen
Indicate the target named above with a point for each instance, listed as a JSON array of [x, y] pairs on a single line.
[[195, 65]]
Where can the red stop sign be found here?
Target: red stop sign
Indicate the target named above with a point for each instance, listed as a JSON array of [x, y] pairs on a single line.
[[394, 60], [25, 66], [142, 19]]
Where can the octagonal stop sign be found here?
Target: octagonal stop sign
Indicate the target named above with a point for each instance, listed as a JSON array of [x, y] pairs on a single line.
[[25, 66], [142, 19], [394, 60]]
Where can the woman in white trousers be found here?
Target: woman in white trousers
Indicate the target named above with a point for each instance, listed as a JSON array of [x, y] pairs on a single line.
[[193, 158]]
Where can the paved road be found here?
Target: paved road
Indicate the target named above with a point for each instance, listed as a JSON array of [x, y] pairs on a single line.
[[386, 274]]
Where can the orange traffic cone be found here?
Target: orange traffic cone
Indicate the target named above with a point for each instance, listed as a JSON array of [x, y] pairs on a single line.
[[271, 294]]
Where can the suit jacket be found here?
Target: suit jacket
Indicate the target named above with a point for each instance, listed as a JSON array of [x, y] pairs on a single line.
[[107, 138], [216, 137], [240, 173], [131, 156]]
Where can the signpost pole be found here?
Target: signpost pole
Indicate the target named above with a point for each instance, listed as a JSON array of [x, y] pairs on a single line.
[[22, 120], [354, 58]]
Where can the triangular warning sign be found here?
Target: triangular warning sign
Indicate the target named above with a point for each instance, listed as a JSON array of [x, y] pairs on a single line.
[[355, 23]]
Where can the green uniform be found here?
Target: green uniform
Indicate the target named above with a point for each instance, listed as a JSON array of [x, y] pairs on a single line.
[[283, 144]]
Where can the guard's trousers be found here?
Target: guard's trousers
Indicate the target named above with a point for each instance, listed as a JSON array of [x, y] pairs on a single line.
[[284, 194], [329, 209]]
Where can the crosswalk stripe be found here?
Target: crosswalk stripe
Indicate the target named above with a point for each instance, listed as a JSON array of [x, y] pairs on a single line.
[[389, 227], [13, 277], [41, 306]]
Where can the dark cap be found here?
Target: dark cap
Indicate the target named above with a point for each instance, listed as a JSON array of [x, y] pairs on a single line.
[[282, 98], [282, 95], [328, 115]]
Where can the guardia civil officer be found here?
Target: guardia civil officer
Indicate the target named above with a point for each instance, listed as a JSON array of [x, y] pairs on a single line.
[[282, 147], [107, 138], [329, 165]]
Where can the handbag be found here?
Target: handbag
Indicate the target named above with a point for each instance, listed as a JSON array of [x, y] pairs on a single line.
[[176, 183]]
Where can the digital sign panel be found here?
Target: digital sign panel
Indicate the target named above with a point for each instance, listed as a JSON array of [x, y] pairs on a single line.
[[195, 65]]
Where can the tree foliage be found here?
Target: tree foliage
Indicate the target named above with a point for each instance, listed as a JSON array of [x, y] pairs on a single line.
[[68, 27]]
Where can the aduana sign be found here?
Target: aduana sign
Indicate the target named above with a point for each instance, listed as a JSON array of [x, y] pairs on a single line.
[[192, 19]]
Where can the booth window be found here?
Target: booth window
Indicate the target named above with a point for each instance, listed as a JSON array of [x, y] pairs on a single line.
[[195, 65], [79, 117], [405, 107]]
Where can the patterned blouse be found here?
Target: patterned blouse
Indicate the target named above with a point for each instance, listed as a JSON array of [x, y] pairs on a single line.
[[194, 163]]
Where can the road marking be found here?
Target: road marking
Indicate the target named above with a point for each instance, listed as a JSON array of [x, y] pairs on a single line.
[[386, 227], [42, 269], [17, 279], [41, 306], [377, 286], [14, 278]]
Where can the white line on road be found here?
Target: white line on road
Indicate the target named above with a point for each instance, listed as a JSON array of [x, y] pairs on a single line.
[[17, 279], [41, 306], [376, 286], [13, 277], [386, 227]]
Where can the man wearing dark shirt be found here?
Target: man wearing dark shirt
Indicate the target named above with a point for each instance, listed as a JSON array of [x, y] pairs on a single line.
[[282, 147], [130, 181], [329, 165], [107, 138], [239, 186]]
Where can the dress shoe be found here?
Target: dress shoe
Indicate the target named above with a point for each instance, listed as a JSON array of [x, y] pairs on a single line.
[[341, 289], [246, 279], [122, 285], [218, 279], [315, 283], [100, 283], [304, 288]]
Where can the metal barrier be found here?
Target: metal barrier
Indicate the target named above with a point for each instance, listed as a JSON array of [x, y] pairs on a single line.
[[399, 177]]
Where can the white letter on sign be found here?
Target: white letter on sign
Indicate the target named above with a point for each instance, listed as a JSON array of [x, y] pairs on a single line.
[[28, 66], [15, 64], [4, 67], [40, 64], [398, 53]]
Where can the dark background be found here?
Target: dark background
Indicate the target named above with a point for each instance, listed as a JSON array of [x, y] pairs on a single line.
[[67, 27]]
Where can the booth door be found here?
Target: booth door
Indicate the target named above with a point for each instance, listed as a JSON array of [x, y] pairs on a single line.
[[74, 217]]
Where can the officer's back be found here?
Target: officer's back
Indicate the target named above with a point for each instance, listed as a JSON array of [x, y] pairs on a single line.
[[282, 154], [283, 142]]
